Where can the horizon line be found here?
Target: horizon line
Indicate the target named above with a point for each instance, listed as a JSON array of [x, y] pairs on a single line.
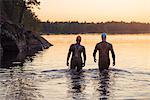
[[96, 22]]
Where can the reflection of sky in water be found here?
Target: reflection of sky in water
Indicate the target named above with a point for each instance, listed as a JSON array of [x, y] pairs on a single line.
[[46, 77]]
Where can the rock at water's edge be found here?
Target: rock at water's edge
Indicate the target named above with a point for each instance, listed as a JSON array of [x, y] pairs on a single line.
[[14, 38]]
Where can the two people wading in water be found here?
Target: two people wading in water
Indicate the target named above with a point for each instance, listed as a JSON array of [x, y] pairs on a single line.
[[77, 50]]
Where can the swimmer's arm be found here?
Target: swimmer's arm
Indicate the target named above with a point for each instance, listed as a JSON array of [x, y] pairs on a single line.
[[84, 55], [68, 56], [113, 55], [94, 53]]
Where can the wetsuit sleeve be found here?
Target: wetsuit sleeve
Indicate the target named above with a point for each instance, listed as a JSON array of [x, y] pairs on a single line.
[[112, 52], [69, 53], [95, 50], [84, 54]]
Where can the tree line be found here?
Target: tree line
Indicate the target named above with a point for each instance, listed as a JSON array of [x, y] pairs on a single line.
[[109, 27], [20, 12]]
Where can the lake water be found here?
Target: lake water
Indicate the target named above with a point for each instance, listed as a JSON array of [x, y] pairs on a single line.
[[45, 76]]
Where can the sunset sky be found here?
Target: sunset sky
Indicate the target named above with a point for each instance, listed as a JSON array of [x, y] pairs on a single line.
[[94, 10]]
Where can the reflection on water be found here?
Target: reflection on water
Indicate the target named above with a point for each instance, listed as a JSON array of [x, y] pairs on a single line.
[[104, 85], [45, 75], [76, 85], [8, 59], [16, 84]]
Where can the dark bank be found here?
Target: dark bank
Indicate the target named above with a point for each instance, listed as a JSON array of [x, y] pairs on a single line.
[[19, 32], [16, 43]]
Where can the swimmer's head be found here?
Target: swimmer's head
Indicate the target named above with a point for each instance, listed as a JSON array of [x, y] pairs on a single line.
[[78, 39], [103, 35]]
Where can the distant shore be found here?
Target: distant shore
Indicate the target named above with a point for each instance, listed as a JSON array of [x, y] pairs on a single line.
[[82, 28], [92, 33]]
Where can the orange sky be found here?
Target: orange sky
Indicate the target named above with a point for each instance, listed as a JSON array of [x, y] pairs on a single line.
[[94, 10]]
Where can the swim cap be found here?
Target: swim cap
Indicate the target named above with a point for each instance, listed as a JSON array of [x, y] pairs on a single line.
[[103, 35]]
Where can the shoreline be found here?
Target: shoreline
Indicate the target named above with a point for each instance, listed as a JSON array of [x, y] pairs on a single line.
[[15, 40], [96, 34]]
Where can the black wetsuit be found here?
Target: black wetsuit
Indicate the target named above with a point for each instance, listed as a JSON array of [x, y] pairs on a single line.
[[76, 60], [104, 48]]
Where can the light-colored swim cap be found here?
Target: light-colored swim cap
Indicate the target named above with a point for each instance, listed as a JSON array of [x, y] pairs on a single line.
[[103, 35]]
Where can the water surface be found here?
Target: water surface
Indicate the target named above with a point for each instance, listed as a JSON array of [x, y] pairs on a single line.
[[45, 76]]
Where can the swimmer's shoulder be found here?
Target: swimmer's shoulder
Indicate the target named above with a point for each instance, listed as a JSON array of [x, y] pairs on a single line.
[[98, 44], [72, 45], [82, 46], [109, 45]]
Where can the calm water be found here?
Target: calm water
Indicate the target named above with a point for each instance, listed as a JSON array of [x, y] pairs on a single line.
[[45, 76]]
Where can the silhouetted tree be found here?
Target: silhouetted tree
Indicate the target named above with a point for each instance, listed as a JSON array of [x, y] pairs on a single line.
[[19, 12]]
